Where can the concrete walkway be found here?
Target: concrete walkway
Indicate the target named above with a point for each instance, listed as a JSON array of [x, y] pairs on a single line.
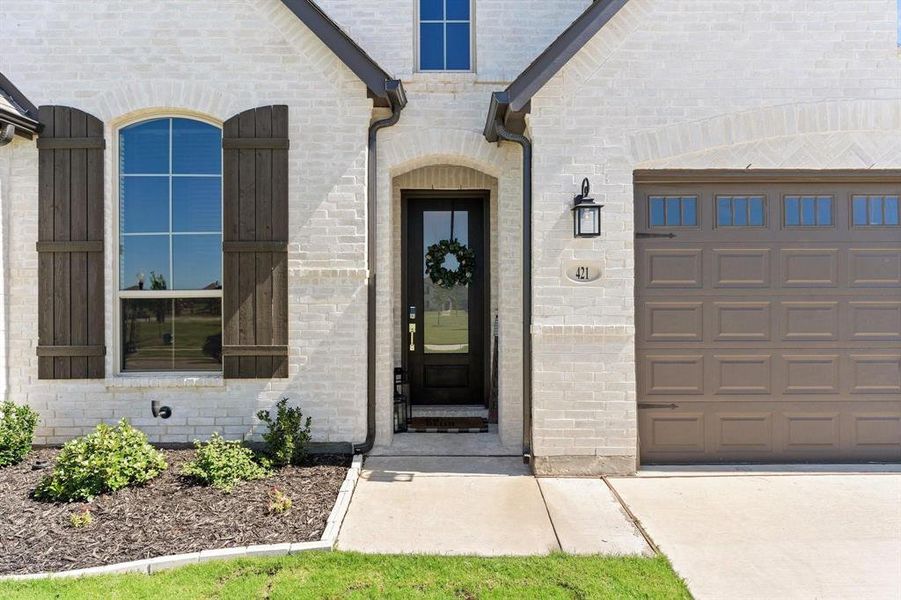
[[761, 533], [489, 506]]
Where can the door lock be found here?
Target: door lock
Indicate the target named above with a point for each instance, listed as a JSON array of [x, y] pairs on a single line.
[[412, 337]]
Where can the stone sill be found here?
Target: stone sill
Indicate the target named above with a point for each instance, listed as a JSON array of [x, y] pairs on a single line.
[[163, 380]]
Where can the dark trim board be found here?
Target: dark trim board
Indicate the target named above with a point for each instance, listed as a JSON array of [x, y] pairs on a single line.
[[357, 60], [485, 196], [512, 104], [766, 175], [25, 118]]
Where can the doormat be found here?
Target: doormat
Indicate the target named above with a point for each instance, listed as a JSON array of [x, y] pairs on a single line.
[[448, 425]]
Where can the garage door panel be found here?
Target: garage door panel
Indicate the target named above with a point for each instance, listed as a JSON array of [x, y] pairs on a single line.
[[673, 321], [809, 268], [740, 267], [875, 373], [809, 321], [811, 431], [741, 321], [881, 430], [674, 374], [767, 343], [673, 433], [742, 374], [874, 267], [809, 374], [743, 433], [874, 321], [680, 268]]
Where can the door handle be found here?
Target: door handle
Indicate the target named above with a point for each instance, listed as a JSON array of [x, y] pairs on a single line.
[[412, 337]]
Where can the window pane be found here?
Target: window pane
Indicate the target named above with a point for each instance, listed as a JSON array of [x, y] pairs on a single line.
[[144, 147], [197, 262], [723, 212], [144, 264], [431, 10], [740, 212], [458, 46], [808, 211], [792, 211], [891, 210], [197, 332], [146, 335], [859, 210], [196, 147], [673, 211], [196, 204], [824, 212], [431, 46], [446, 318], [755, 208], [457, 10], [145, 204], [658, 215], [875, 210], [689, 212]]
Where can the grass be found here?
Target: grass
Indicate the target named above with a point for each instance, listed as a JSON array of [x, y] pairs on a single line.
[[349, 575]]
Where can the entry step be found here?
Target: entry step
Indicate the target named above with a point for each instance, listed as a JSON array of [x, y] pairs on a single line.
[[447, 425]]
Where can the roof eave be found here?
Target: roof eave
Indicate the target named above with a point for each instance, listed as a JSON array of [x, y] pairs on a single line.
[[25, 118], [363, 66], [514, 103]]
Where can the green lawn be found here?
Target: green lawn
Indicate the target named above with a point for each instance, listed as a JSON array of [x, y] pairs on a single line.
[[342, 575]]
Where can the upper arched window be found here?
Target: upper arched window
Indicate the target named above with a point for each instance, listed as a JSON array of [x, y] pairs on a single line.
[[170, 245]]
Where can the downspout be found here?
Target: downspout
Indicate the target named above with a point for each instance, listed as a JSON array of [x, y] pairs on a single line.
[[7, 133], [397, 100], [526, 144]]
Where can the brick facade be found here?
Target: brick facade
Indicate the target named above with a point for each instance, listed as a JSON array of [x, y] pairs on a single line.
[[674, 83]]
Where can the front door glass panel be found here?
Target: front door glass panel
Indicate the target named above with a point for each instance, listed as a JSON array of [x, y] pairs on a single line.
[[446, 316]]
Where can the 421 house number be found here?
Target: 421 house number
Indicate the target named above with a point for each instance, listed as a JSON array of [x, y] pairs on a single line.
[[581, 271]]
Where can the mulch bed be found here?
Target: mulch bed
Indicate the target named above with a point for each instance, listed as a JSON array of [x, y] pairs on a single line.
[[170, 515]]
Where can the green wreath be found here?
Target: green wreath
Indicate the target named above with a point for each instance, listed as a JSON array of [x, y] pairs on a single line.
[[441, 276]]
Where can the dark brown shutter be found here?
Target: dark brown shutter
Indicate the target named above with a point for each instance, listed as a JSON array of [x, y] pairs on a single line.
[[70, 245], [255, 244]]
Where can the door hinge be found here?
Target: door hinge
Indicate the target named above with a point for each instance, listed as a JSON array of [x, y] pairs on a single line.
[[643, 234], [652, 405]]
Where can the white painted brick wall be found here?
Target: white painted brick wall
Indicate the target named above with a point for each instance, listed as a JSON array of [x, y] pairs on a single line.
[[509, 34], [669, 83], [687, 84], [120, 59]]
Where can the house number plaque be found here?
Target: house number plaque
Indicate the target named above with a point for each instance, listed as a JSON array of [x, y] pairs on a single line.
[[582, 271]]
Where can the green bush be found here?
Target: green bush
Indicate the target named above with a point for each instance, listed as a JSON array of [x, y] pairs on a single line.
[[17, 425], [106, 460], [288, 435], [223, 464]]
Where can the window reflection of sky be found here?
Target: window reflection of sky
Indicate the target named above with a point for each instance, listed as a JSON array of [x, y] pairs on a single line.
[[170, 191]]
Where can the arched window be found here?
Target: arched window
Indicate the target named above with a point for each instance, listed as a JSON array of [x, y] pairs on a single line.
[[170, 246]]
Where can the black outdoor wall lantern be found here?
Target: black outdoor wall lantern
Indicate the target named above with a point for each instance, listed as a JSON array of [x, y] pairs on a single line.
[[586, 214]]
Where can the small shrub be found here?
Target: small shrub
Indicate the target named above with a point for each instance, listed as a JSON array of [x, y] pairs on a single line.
[[279, 502], [106, 460], [223, 464], [17, 425], [80, 520], [288, 435]]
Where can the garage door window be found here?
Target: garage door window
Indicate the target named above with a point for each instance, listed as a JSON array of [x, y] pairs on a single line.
[[740, 211], [875, 211], [673, 211], [808, 211]]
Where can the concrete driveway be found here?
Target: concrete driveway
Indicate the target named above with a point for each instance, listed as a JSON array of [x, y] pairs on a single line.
[[759, 533]]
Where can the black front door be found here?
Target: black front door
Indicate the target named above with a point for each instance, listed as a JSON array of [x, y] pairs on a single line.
[[444, 325]]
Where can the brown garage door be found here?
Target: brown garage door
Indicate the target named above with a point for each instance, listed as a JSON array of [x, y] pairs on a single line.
[[768, 316]]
